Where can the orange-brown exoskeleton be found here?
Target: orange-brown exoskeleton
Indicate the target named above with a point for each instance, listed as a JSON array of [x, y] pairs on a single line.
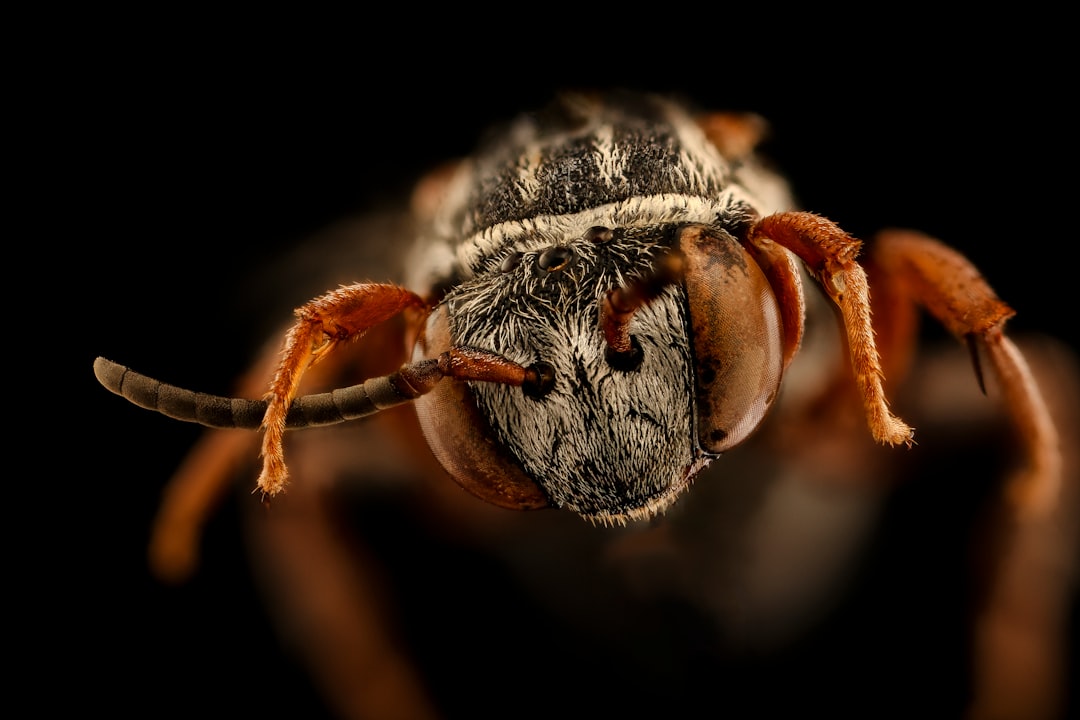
[[605, 299]]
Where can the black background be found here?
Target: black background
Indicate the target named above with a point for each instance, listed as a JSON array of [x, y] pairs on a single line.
[[169, 168]]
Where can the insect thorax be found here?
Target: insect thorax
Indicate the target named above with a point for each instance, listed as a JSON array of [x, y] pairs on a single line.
[[516, 245]]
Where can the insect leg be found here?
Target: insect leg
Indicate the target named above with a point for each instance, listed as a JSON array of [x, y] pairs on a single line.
[[342, 314], [829, 254], [198, 486], [1020, 664], [926, 272]]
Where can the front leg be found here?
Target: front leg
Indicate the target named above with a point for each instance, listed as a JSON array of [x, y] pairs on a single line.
[[829, 254], [343, 314]]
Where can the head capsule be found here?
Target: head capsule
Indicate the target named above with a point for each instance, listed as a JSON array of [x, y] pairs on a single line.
[[570, 208], [610, 440]]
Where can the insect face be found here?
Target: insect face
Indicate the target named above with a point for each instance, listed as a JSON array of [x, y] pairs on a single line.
[[618, 436], [622, 429]]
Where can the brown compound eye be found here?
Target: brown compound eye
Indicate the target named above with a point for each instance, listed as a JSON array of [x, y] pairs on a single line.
[[737, 337], [555, 258]]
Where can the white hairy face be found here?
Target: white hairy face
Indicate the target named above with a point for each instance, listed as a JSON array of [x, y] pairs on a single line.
[[524, 278], [603, 441]]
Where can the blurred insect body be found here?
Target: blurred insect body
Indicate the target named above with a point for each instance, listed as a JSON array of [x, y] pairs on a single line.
[[606, 298]]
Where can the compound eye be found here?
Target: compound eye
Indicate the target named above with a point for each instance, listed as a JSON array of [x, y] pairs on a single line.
[[555, 258], [737, 337]]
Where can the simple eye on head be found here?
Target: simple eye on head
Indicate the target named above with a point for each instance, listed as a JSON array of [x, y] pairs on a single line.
[[510, 262], [553, 259], [597, 234], [557, 257]]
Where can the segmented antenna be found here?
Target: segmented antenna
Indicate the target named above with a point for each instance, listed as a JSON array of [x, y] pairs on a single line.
[[215, 411], [329, 408]]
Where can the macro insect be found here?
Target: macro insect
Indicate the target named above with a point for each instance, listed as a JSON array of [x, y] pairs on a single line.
[[607, 298]]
